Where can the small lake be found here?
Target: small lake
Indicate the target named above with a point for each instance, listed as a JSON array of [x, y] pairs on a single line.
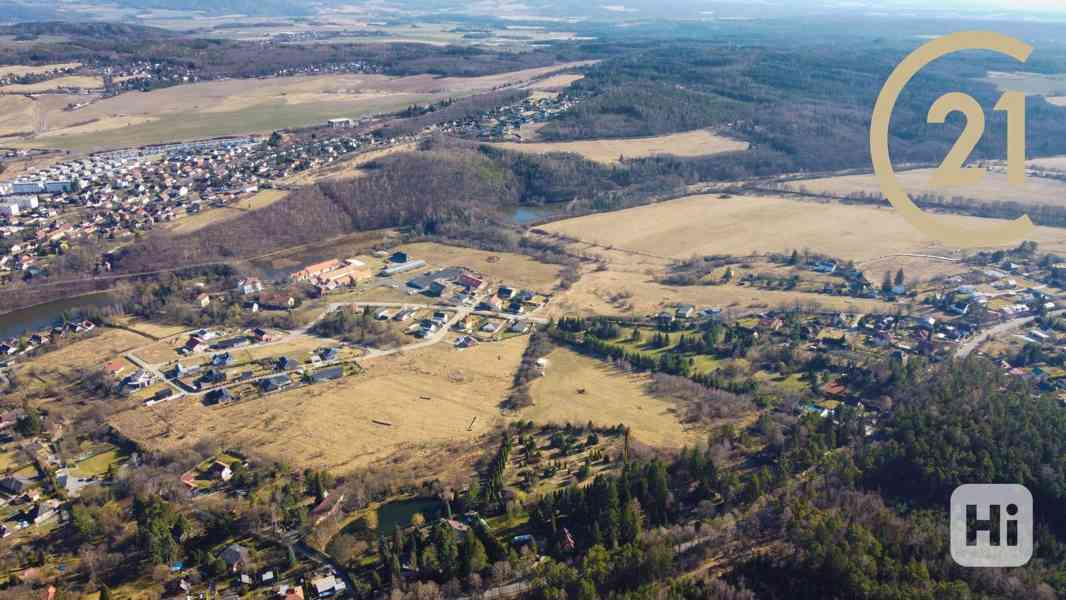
[[524, 215], [399, 513], [41, 316]]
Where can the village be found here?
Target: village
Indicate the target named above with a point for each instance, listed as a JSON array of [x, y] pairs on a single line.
[[114, 196]]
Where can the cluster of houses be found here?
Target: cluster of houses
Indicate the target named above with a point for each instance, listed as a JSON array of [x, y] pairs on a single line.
[[28, 343], [34, 508], [323, 583], [114, 195], [504, 123]]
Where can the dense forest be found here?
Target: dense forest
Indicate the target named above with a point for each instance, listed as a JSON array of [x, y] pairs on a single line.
[[826, 511], [206, 57]]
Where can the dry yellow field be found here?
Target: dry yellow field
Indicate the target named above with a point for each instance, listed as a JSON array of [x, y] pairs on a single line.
[[555, 82], [52, 369], [18, 70], [740, 225], [992, 188], [155, 330], [435, 395], [211, 216], [611, 397], [514, 270], [638, 244], [690, 143], [68, 81]]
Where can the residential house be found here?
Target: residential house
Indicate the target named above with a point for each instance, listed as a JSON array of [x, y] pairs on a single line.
[[203, 300], [327, 374], [247, 287], [273, 384], [13, 485], [327, 586], [221, 396], [685, 311], [470, 282], [286, 364], [222, 360], [235, 556], [277, 301]]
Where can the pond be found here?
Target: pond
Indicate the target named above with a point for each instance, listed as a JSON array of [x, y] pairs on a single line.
[[41, 316], [399, 513], [524, 215]]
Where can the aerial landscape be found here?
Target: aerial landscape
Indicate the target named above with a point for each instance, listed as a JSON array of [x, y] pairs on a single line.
[[418, 299]]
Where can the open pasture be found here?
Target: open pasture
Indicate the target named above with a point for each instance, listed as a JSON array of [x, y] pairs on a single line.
[[578, 389], [994, 187], [690, 143]]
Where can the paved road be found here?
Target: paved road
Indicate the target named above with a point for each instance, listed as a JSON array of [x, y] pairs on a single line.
[[966, 348], [461, 312]]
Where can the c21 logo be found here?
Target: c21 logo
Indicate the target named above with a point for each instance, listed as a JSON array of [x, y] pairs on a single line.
[[951, 171]]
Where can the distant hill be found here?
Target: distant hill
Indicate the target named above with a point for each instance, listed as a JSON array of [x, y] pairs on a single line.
[[227, 7], [100, 30]]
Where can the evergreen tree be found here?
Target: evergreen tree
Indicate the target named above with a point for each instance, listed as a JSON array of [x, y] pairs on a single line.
[[475, 559]]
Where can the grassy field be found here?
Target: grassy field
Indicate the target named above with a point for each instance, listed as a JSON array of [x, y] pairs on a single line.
[[514, 270], [217, 215], [97, 465], [51, 372], [68, 81], [993, 188], [740, 225], [155, 330], [691, 143], [611, 397], [428, 397], [19, 70], [230, 107]]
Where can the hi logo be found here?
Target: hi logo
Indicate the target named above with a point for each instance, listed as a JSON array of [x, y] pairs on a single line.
[[951, 171], [991, 525]]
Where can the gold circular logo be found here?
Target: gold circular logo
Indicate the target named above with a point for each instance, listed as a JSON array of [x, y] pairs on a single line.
[[886, 176]]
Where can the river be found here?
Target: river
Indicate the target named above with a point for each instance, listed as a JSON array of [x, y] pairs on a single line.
[[40, 316], [35, 318]]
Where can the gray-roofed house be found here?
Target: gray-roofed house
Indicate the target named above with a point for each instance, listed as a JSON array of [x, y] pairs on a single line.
[[236, 556], [13, 485], [327, 374]]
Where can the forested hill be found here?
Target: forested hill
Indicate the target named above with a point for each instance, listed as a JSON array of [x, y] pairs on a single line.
[[810, 104], [424, 190], [90, 30]]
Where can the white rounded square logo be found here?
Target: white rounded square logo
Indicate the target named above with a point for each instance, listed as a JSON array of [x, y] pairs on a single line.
[[991, 525]]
